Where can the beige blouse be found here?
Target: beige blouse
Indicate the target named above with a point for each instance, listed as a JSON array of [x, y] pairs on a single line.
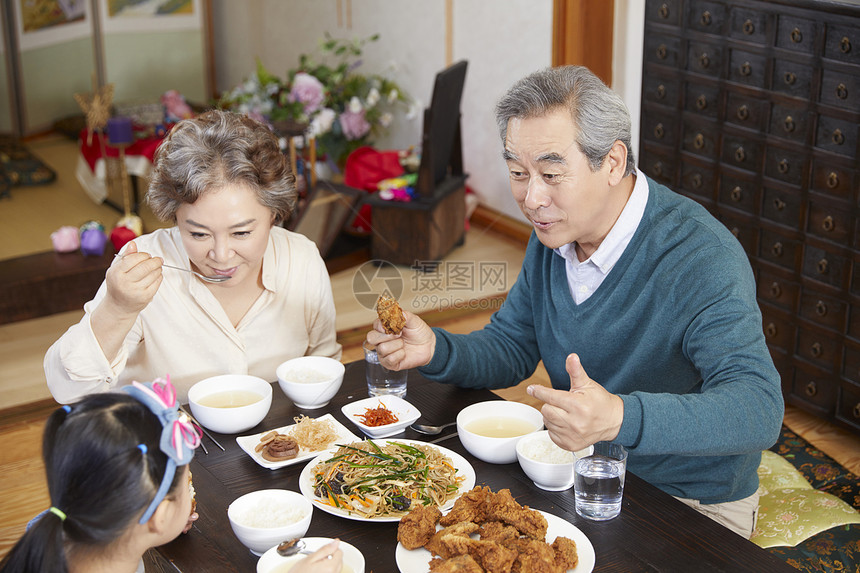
[[184, 331]]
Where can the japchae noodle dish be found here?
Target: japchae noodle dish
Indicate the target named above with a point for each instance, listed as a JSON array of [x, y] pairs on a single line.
[[385, 479]]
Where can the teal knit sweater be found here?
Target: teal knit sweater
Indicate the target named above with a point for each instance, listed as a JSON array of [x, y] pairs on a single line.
[[674, 330]]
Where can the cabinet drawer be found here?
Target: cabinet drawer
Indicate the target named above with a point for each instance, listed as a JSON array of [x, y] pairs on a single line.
[[663, 11], [660, 90], [698, 179], [703, 100], [817, 347], [747, 68], [746, 111], [842, 43], [785, 165], [659, 167], [814, 387], [780, 250], [738, 193], [778, 330], [829, 220], [848, 404], [837, 136], [700, 139], [825, 267], [792, 123], [792, 79], [708, 17], [781, 206], [854, 332], [833, 180], [748, 25], [796, 34], [659, 127], [823, 309], [662, 49], [841, 90], [777, 291], [704, 58], [745, 230], [741, 152]]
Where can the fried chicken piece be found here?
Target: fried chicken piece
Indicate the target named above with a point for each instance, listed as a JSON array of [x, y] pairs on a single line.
[[503, 507], [441, 545], [418, 526], [468, 507], [390, 314], [458, 564], [536, 557], [499, 532], [565, 553]]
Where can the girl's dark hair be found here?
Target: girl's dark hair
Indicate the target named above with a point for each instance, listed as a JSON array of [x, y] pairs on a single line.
[[97, 475]]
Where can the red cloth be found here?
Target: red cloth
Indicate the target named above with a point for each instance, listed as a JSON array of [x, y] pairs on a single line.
[[366, 167], [93, 153]]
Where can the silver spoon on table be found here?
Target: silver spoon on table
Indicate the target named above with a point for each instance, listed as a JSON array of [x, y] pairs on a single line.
[[431, 430], [218, 279]]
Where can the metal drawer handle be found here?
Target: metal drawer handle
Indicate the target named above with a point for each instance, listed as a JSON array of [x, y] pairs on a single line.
[[775, 290], [740, 154], [770, 330], [827, 224], [699, 141], [816, 350], [838, 137], [706, 18], [796, 36], [659, 132], [737, 194], [842, 91], [661, 91], [777, 249], [789, 78], [743, 112], [746, 69], [788, 124], [821, 308], [697, 180], [821, 267], [701, 102], [783, 166], [662, 52], [855, 411], [658, 168], [779, 204], [749, 27], [845, 44], [704, 60], [664, 10], [811, 389], [832, 180]]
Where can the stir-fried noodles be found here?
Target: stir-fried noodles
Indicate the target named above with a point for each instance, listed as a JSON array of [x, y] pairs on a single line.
[[376, 480]]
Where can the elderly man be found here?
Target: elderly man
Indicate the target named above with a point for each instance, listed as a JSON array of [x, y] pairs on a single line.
[[640, 304]]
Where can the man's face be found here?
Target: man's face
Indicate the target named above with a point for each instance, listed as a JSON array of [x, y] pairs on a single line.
[[553, 184]]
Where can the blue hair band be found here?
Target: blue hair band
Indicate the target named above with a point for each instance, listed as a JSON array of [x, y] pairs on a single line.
[[67, 408], [143, 449]]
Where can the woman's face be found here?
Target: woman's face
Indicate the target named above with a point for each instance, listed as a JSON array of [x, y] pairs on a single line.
[[225, 232]]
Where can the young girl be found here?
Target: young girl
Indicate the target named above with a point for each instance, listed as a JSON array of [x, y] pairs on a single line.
[[117, 472]]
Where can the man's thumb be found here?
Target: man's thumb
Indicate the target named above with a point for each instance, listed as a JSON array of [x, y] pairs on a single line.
[[578, 377]]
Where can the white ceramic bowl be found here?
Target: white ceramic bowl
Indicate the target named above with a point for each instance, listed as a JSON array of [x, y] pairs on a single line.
[[248, 514], [548, 466], [230, 420], [496, 413], [353, 560], [406, 414], [310, 381]]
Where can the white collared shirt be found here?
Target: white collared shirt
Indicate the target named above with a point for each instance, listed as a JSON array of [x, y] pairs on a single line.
[[584, 278]]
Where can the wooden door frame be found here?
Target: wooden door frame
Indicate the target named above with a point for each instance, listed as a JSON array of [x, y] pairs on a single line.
[[582, 35]]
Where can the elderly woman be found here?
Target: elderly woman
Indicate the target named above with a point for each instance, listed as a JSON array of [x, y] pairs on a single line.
[[223, 181]]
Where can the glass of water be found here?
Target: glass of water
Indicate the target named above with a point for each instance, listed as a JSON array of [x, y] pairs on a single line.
[[598, 481], [381, 380]]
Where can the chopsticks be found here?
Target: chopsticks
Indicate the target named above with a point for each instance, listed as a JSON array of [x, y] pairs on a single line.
[[202, 429]]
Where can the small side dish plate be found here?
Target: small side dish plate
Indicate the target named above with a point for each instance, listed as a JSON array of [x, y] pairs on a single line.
[[406, 414], [248, 443]]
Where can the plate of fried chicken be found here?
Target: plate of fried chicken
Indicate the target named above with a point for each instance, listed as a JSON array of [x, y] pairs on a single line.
[[489, 531]]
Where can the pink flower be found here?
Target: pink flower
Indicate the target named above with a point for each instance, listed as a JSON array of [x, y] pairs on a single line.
[[308, 90], [354, 125]]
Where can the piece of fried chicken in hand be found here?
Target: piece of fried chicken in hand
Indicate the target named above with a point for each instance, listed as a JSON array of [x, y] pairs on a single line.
[[390, 314]]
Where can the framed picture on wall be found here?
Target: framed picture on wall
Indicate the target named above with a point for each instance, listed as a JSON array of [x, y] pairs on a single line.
[[151, 16], [49, 22]]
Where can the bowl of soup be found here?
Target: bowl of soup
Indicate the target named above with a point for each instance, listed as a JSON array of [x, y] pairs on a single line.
[[310, 381], [490, 430], [272, 562], [230, 403]]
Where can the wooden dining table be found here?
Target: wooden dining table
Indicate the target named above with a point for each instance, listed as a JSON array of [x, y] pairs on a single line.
[[654, 531]]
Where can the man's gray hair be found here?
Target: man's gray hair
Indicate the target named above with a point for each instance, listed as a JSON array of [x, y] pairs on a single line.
[[598, 113]]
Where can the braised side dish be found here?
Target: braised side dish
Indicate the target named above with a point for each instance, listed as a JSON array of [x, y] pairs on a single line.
[[508, 537]]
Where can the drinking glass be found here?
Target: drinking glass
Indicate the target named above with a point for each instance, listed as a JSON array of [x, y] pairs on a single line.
[[381, 380], [598, 481]]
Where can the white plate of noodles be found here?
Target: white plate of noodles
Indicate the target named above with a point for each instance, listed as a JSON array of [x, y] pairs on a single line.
[[381, 475], [313, 435]]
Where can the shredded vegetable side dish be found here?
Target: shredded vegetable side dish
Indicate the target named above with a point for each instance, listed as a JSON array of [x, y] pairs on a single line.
[[387, 479], [379, 416]]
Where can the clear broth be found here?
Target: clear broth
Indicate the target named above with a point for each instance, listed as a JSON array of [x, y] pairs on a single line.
[[230, 399], [500, 427]]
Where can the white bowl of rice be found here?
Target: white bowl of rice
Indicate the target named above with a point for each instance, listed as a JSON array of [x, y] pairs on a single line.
[[262, 519], [549, 466], [310, 381]]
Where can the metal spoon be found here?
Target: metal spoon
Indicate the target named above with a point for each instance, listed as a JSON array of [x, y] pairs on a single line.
[[217, 279], [431, 430], [291, 547]]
